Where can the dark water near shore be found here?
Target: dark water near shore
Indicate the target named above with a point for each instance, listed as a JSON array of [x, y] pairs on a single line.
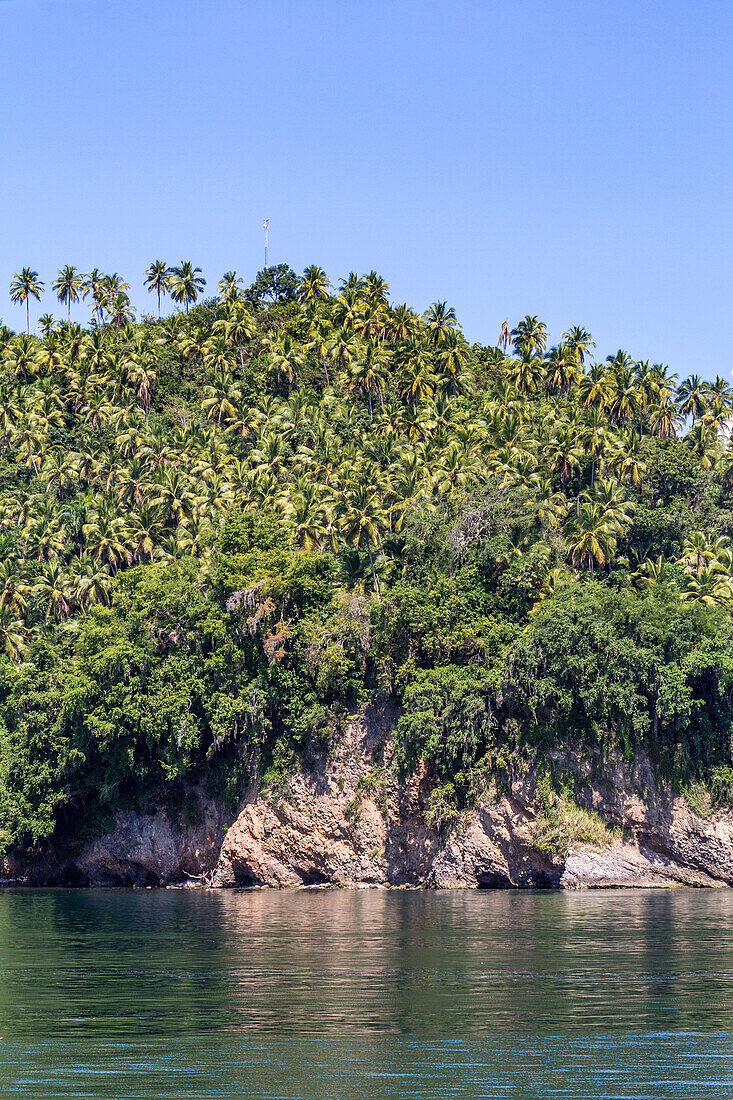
[[310, 994]]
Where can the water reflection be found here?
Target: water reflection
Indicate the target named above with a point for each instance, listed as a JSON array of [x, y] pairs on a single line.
[[373, 993]]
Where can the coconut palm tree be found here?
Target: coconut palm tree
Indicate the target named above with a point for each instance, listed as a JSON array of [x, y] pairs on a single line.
[[451, 358], [54, 589], [47, 325], [286, 358], [157, 279], [238, 326], [13, 636], [120, 309], [579, 341], [709, 586], [655, 573], [596, 438], [561, 369], [26, 285], [230, 286], [693, 397], [68, 287], [186, 283], [526, 373], [313, 286], [361, 517], [368, 373], [564, 454], [440, 322], [529, 337], [590, 538]]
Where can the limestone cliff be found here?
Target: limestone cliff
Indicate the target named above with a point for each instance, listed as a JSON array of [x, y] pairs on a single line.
[[345, 820]]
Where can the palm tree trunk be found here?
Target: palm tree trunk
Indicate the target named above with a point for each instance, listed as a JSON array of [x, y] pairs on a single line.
[[28, 315], [375, 578]]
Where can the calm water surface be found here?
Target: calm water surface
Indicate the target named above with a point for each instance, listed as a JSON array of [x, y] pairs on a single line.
[[350, 994]]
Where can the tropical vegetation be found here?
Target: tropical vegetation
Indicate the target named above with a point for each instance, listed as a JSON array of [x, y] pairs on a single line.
[[224, 530]]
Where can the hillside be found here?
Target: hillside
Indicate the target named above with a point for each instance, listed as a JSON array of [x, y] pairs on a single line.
[[225, 531]]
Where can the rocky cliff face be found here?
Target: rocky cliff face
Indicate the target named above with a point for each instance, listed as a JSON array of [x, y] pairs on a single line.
[[346, 821], [141, 850]]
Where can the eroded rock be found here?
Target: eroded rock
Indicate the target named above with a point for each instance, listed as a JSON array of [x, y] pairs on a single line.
[[346, 820]]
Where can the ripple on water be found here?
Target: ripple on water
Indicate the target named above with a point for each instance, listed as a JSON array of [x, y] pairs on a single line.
[[175, 994]]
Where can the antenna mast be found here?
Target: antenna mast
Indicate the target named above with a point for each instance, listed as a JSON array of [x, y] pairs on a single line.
[[266, 227]]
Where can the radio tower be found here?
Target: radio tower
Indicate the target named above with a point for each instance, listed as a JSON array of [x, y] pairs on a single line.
[[266, 227]]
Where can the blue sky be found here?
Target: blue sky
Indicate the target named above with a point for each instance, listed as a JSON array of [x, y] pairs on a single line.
[[570, 159]]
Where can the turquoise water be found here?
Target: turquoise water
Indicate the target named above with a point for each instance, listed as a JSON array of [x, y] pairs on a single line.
[[351, 994]]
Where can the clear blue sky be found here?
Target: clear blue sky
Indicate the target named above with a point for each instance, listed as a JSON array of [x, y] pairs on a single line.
[[570, 158]]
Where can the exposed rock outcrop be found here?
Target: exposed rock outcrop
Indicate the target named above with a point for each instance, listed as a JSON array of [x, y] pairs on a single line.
[[155, 849], [345, 820], [348, 822]]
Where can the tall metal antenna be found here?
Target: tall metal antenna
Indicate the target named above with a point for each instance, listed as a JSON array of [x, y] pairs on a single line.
[[266, 227]]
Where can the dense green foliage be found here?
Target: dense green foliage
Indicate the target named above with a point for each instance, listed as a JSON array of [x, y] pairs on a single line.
[[223, 531]]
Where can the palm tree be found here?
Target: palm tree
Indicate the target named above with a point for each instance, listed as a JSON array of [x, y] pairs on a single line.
[[186, 283], [222, 399], [120, 310], [47, 325], [68, 287], [230, 286], [13, 636], [663, 418], [93, 284], [286, 358], [527, 373], [313, 286], [704, 444], [699, 550], [692, 397], [26, 285], [403, 323], [417, 378], [360, 516], [353, 570], [53, 587], [561, 368], [591, 539], [564, 455], [440, 320], [306, 515], [90, 583], [13, 588], [529, 337], [238, 326], [368, 373], [578, 339], [595, 437], [451, 358], [157, 278], [708, 586]]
